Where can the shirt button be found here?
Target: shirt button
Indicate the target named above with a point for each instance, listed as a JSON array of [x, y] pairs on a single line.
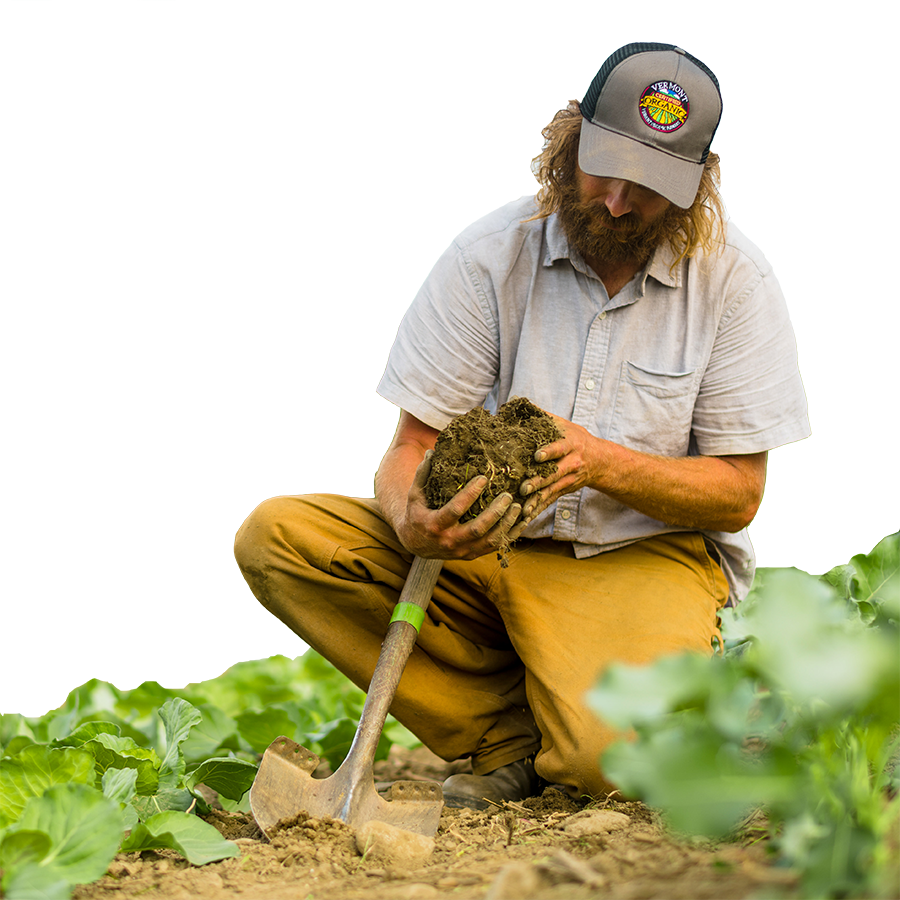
[[590, 384], [565, 514], [602, 315]]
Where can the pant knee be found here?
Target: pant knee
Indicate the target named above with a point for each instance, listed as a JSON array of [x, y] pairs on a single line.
[[258, 535]]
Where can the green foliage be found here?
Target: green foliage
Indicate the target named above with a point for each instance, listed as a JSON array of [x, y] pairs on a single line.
[[110, 452], [799, 717], [65, 837], [198, 842], [876, 338], [113, 769], [33, 771], [228, 776]]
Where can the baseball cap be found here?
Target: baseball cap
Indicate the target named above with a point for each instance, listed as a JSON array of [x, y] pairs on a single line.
[[649, 117]]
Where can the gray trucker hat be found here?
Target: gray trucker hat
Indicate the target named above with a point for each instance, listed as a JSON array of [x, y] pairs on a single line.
[[649, 117]]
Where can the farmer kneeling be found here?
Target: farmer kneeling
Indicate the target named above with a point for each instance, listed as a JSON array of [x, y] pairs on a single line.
[[620, 301]]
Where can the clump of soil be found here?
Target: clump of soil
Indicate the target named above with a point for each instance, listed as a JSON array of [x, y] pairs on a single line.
[[502, 447]]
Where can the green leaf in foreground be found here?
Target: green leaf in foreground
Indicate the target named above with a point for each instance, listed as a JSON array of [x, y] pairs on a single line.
[[35, 769], [119, 784], [72, 832], [179, 717], [228, 777], [85, 732], [809, 645], [705, 786], [113, 752], [197, 841], [20, 847], [164, 800], [216, 732], [17, 745], [33, 882]]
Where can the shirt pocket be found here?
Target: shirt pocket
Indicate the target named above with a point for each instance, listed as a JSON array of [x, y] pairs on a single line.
[[653, 410]]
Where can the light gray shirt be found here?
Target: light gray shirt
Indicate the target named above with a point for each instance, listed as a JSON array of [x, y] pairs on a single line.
[[699, 359]]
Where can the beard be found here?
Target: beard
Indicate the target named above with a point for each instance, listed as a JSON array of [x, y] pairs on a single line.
[[596, 233]]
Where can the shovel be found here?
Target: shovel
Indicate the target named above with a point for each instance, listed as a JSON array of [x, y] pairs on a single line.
[[284, 785]]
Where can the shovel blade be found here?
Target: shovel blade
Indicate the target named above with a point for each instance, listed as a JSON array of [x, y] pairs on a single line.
[[284, 787]]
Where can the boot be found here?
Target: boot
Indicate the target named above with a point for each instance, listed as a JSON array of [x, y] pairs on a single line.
[[516, 781]]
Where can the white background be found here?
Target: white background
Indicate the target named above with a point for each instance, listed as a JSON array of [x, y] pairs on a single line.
[[187, 150]]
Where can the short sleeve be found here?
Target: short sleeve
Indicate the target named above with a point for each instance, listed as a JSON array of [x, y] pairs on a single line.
[[751, 396], [445, 357]]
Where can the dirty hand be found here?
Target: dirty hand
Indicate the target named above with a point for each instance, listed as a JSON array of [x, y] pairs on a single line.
[[439, 534], [580, 460]]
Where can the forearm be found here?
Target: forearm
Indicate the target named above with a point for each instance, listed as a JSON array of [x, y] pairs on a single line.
[[715, 493], [393, 480]]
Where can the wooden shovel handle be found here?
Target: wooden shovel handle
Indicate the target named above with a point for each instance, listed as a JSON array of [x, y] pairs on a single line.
[[395, 650]]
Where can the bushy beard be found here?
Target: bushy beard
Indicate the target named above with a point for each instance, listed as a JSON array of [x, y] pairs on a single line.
[[595, 232]]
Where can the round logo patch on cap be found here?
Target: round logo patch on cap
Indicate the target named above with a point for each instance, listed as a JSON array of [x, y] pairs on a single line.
[[664, 106]]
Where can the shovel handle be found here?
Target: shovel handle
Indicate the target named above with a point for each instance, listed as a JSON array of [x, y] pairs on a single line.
[[398, 643]]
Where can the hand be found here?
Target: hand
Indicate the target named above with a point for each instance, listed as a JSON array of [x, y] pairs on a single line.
[[439, 534], [579, 459]]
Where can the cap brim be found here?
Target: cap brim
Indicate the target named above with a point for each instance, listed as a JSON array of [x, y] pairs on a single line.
[[610, 155]]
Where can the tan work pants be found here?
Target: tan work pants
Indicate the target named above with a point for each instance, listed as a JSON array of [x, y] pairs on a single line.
[[505, 655]]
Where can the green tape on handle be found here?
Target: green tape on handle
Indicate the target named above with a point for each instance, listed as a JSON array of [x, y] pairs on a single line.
[[409, 612]]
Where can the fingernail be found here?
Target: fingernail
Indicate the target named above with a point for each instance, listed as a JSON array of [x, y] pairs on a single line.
[[540, 456]]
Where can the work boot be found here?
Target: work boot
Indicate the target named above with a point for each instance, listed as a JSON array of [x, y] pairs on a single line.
[[517, 781]]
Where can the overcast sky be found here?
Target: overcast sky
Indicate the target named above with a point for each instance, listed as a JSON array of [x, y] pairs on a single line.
[[246, 155]]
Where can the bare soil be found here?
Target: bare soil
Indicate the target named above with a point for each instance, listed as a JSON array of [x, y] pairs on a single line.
[[546, 848]]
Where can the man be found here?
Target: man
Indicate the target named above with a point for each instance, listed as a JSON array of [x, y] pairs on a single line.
[[656, 335]]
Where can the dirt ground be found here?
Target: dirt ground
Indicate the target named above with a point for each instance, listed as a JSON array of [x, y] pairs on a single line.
[[547, 847]]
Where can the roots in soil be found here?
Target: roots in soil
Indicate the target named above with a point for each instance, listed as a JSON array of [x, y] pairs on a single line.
[[501, 447]]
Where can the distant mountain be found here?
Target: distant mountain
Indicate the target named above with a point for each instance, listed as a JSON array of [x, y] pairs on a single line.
[[165, 326]]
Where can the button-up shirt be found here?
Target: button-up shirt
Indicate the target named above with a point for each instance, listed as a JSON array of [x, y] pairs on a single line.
[[698, 358]]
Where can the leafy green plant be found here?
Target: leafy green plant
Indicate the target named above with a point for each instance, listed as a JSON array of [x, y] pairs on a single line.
[[800, 717], [118, 770]]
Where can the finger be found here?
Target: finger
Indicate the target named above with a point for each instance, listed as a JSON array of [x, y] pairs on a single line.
[[502, 508], [455, 508], [539, 500], [423, 470], [556, 450], [510, 517], [516, 531], [534, 506], [533, 485], [502, 533]]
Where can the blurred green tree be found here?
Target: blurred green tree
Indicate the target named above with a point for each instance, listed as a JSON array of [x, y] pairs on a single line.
[[110, 451], [876, 336]]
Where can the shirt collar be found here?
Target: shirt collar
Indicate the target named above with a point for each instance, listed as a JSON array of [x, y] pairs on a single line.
[[660, 267], [556, 245]]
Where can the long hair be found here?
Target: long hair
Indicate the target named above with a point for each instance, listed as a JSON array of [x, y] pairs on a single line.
[[702, 225]]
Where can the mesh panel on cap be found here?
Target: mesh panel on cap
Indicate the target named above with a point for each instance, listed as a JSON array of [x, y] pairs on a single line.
[[589, 104]]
